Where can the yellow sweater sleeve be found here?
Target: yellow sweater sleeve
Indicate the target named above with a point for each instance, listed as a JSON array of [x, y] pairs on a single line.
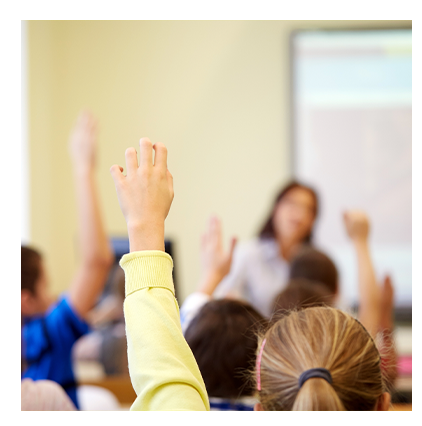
[[162, 368]]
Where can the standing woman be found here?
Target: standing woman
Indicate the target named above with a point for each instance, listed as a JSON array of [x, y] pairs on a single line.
[[260, 267]]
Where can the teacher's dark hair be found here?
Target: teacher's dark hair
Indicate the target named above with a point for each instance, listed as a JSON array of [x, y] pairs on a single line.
[[267, 230]]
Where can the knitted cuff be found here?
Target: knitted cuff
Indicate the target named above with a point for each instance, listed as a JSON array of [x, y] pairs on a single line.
[[146, 269]]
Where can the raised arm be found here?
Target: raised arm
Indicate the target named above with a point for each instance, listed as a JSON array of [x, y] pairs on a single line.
[[386, 328], [357, 226], [162, 368], [216, 263], [96, 256]]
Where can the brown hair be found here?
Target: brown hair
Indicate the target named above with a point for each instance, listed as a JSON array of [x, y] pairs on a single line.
[[301, 293], [223, 339], [30, 268], [319, 337], [267, 230], [314, 265]]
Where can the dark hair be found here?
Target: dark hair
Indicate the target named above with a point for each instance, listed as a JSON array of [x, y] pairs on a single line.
[[30, 268], [301, 293], [314, 265], [223, 339], [267, 230]]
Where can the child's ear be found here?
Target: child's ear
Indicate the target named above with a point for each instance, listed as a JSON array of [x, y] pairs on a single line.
[[384, 401], [27, 302], [258, 407]]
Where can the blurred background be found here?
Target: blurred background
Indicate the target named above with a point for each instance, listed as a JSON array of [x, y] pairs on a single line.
[[243, 106]]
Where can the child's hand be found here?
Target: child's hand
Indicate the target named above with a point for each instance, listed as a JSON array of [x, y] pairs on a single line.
[[83, 142], [357, 225], [145, 195], [216, 262]]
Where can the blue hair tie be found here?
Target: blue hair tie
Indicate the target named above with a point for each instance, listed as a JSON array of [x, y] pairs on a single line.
[[321, 373]]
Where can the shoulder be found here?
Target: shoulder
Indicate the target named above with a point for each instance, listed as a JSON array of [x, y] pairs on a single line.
[[62, 316]]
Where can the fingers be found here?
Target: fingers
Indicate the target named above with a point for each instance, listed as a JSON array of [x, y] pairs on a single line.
[[85, 119], [214, 231], [116, 173], [388, 284], [94, 126], [160, 155], [145, 152], [233, 243], [204, 241], [131, 160]]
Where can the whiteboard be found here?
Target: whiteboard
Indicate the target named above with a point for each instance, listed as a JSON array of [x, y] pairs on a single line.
[[352, 141]]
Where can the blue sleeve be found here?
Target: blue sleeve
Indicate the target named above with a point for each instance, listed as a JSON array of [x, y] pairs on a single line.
[[64, 325]]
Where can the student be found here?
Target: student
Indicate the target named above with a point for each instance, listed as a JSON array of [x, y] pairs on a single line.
[[222, 337], [301, 293], [50, 329], [319, 359], [162, 368], [375, 302], [221, 333], [261, 266], [314, 265], [44, 395]]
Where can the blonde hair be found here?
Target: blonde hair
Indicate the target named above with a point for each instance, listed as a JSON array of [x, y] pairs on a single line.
[[319, 337]]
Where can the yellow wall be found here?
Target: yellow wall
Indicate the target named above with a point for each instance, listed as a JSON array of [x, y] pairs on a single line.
[[215, 92]]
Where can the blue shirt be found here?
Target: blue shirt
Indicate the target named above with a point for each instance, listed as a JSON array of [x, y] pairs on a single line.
[[47, 342]]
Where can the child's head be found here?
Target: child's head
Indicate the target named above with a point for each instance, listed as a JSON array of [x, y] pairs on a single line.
[[222, 337], [314, 265], [323, 338], [302, 293], [35, 297]]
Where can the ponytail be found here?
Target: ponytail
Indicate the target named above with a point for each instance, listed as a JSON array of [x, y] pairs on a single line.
[[318, 359], [317, 394]]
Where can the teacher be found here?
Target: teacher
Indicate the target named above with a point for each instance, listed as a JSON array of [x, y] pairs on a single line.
[[260, 267]]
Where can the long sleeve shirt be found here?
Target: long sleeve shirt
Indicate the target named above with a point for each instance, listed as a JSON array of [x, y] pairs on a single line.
[[162, 368]]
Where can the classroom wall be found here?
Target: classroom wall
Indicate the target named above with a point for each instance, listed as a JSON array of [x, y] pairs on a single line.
[[215, 92]]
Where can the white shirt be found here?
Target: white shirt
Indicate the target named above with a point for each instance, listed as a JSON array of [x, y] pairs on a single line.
[[257, 275], [191, 306]]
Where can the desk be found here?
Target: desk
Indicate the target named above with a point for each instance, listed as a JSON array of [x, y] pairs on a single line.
[[401, 407]]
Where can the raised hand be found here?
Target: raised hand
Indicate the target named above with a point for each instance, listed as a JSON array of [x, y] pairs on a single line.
[[96, 256], [216, 262], [83, 142], [145, 194], [357, 224], [357, 227]]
